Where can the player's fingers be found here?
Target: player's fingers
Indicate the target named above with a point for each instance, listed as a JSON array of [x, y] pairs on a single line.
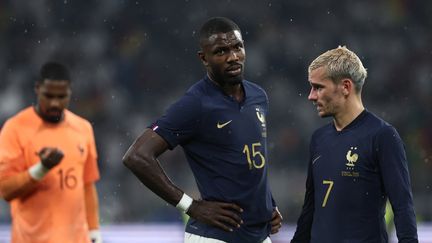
[[231, 206], [233, 215], [276, 213], [276, 221], [222, 226], [44, 152], [275, 228], [59, 156], [59, 151], [229, 221]]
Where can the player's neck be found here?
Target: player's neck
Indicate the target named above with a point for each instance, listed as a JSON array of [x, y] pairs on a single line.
[[47, 119], [234, 90], [348, 114]]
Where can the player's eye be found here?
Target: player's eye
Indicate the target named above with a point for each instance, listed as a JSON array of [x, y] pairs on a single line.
[[317, 87], [50, 96], [220, 52]]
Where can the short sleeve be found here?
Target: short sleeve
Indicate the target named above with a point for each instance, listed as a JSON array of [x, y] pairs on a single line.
[[91, 171], [11, 154], [180, 122]]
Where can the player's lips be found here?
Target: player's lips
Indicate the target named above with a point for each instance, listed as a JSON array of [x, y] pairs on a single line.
[[234, 70], [318, 106], [54, 112]]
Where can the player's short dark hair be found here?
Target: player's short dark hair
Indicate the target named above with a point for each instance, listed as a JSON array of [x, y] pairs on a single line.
[[54, 71], [217, 25]]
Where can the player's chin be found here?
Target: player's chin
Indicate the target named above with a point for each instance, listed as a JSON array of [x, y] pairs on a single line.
[[234, 79], [323, 114], [52, 118]]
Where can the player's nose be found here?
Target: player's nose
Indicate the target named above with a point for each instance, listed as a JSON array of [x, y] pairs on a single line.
[[54, 103], [312, 95], [233, 56]]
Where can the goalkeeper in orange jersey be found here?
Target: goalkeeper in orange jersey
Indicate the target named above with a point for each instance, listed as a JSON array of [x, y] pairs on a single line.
[[48, 167]]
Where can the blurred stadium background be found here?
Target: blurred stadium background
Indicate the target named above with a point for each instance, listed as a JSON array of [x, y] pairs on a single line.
[[131, 59]]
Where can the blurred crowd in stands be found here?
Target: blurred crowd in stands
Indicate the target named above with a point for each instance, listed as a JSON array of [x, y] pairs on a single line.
[[130, 59]]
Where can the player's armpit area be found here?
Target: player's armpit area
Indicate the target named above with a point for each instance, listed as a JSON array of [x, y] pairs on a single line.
[[16, 186], [92, 206]]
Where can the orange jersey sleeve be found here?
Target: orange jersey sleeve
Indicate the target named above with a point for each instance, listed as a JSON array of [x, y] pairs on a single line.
[[14, 180], [11, 153], [91, 171]]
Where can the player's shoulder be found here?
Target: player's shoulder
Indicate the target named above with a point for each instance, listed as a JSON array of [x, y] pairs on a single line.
[[376, 124], [199, 93], [254, 87], [375, 127], [76, 120], [323, 131], [24, 117], [198, 89], [382, 131]]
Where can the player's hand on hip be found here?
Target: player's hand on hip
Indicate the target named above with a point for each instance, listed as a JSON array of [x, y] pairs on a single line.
[[276, 222], [50, 157], [223, 215]]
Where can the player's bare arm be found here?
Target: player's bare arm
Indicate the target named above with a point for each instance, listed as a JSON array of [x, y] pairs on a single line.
[[141, 159]]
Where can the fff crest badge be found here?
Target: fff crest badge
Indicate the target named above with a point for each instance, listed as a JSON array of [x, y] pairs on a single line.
[[351, 158], [261, 117]]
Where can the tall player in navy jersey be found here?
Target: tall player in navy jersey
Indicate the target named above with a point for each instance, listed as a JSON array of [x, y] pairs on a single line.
[[220, 123], [356, 162]]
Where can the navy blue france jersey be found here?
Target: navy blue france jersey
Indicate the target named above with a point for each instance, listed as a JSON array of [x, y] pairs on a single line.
[[351, 174], [225, 144]]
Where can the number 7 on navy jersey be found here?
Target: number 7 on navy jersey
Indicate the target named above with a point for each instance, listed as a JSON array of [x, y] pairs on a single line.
[[330, 183]]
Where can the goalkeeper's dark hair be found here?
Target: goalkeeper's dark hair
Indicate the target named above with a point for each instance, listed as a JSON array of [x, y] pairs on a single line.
[[54, 71], [216, 25]]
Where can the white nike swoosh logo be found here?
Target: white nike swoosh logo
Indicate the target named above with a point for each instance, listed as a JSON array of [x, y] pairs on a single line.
[[313, 161], [223, 124]]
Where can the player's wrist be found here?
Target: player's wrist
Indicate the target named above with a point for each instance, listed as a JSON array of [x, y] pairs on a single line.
[[38, 171], [184, 203]]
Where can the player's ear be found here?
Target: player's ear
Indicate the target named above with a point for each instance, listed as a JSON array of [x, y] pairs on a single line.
[[203, 58], [36, 87], [347, 86]]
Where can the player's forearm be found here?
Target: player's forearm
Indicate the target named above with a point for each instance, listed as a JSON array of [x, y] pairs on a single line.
[[92, 206], [17, 186], [405, 219], [150, 173], [304, 223], [406, 231]]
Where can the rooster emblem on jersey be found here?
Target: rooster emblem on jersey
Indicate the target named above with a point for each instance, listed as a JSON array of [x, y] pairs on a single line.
[[260, 115], [352, 158]]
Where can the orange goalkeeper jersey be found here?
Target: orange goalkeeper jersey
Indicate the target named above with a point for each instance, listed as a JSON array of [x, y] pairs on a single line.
[[55, 210]]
